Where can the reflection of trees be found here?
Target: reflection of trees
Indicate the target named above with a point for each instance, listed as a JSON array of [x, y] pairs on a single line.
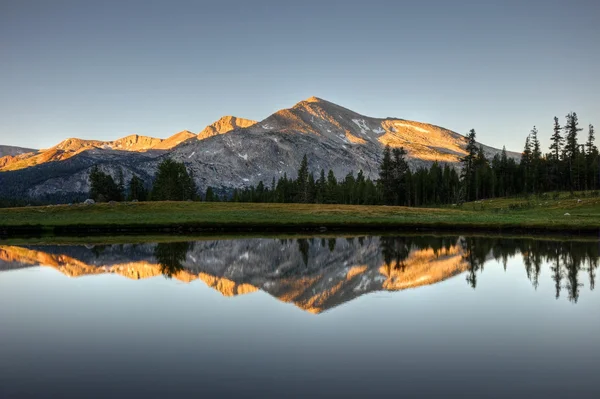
[[98, 249], [592, 266], [567, 259], [476, 251], [303, 247], [170, 257], [395, 250], [332, 242], [557, 273]]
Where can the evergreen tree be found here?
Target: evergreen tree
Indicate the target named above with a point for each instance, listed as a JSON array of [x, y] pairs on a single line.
[[320, 188], [536, 162], [526, 165], [571, 150], [557, 140], [331, 189], [398, 179], [590, 145], [483, 177], [311, 191], [173, 182], [555, 158], [210, 195], [386, 177], [137, 191], [468, 167], [302, 182], [536, 152], [103, 187], [592, 161]]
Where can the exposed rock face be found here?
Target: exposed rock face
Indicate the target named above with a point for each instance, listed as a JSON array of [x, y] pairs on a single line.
[[313, 274], [224, 125], [135, 142], [235, 152]]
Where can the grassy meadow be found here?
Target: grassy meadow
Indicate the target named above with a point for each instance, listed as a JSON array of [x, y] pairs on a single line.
[[545, 213]]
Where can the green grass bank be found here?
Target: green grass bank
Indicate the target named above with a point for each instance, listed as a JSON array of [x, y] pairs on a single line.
[[499, 215]]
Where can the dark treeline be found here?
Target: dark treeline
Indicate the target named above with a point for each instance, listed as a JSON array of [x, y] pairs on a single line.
[[173, 182]]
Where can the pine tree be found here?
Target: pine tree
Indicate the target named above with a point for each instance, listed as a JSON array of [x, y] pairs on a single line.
[[571, 150], [592, 160], [331, 189], [556, 150], [590, 145], [557, 140], [137, 191], [103, 187], [302, 182], [210, 195], [386, 177], [320, 188], [536, 152], [173, 182], [468, 170], [526, 164]]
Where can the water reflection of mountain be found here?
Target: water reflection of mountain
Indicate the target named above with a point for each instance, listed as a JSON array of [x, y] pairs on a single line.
[[316, 274]]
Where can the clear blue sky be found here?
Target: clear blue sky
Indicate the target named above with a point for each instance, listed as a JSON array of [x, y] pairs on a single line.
[[105, 69]]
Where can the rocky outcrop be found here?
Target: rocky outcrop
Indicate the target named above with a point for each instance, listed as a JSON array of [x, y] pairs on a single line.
[[224, 125]]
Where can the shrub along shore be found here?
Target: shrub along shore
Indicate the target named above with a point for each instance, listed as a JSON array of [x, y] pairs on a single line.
[[571, 215]]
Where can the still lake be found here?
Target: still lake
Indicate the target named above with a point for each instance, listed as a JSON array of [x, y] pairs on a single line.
[[427, 316]]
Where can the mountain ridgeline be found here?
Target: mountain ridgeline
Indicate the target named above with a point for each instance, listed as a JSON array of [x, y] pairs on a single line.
[[235, 153]]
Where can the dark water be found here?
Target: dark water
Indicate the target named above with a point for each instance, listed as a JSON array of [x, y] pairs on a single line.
[[311, 317]]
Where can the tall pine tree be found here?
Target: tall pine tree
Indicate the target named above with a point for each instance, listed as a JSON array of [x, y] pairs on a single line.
[[468, 167]]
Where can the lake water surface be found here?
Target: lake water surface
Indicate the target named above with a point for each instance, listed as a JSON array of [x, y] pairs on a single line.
[[395, 316]]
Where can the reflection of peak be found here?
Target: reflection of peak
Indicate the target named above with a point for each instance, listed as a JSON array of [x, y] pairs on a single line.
[[226, 286], [320, 278], [72, 267]]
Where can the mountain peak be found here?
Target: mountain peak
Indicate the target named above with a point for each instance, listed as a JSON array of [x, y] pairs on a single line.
[[313, 99], [224, 125]]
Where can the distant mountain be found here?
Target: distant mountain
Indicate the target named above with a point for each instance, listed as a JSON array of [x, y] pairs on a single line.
[[235, 152], [12, 151], [8, 154]]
